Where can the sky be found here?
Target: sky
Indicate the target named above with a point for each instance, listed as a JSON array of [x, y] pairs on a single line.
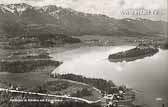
[[111, 8]]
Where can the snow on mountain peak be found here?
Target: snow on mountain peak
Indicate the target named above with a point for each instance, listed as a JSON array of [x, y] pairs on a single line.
[[14, 8], [6, 9]]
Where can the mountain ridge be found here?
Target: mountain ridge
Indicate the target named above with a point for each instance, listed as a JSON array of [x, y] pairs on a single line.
[[70, 22]]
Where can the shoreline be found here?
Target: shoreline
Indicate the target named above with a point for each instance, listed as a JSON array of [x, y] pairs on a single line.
[[66, 48], [78, 52]]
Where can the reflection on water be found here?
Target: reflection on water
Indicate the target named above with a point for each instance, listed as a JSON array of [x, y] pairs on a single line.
[[149, 76]]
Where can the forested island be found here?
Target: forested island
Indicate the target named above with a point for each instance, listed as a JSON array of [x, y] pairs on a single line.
[[139, 52]]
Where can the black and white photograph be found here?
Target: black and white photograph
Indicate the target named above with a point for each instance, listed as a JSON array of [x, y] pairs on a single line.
[[83, 53]]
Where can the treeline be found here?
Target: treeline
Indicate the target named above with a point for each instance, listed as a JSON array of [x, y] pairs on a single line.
[[133, 53], [103, 85], [165, 46], [40, 40], [25, 66]]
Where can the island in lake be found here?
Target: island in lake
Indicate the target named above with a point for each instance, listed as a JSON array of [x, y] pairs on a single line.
[[139, 52]]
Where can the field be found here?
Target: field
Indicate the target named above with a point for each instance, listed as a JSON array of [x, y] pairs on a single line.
[[33, 80]]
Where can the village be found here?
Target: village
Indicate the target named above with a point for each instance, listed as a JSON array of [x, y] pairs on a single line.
[[121, 98]]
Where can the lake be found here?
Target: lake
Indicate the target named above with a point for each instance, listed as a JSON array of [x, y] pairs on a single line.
[[148, 76]]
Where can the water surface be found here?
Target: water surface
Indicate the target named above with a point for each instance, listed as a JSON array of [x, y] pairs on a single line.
[[149, 76]]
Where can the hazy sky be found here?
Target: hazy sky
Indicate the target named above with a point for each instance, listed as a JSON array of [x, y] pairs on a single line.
[[108, 7]]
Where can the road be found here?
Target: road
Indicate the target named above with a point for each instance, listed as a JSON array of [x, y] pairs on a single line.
[[50, 95], [61, 96]]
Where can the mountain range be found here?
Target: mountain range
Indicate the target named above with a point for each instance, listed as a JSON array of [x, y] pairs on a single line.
[[24, 19]]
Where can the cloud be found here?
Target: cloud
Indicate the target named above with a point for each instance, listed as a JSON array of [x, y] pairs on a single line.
[[108, 7]]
